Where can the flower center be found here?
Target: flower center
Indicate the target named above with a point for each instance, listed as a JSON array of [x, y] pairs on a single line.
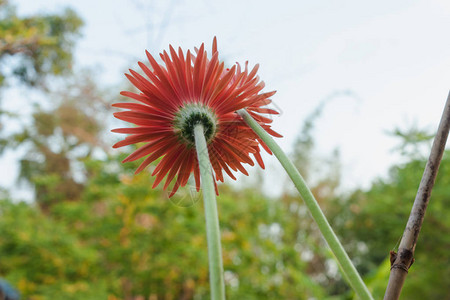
[[192, 114]]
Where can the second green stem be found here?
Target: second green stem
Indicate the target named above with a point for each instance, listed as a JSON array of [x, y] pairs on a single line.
[[342, 258]]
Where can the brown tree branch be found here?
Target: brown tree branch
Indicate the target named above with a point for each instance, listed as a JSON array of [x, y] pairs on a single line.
[[402, 261]]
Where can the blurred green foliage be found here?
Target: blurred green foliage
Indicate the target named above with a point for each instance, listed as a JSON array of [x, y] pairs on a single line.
[[44, 258], [123, 240], [126, 240]]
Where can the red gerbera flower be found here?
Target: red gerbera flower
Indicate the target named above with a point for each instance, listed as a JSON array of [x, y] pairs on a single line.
[[188, 90]]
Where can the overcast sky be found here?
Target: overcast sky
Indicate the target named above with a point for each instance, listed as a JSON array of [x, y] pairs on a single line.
[[392, 58]]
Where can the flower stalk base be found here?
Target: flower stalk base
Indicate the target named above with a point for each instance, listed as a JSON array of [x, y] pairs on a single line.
[[216, 278]]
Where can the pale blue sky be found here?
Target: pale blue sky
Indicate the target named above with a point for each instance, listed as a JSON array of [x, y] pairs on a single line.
[[393, 55]]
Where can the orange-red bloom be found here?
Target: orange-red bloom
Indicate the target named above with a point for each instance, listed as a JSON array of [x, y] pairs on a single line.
[[191, 89]]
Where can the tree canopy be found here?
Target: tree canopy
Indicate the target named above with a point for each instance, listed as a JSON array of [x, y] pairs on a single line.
[[34, 47]]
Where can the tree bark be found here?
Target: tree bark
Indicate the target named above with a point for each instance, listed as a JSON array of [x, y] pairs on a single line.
[[402, 261]]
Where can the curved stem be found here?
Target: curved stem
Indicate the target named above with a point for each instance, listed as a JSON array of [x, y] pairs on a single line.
[[216, 279], [350, 272]]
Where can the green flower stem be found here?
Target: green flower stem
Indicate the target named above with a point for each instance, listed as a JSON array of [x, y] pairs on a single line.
[[212, 219], [342, 258]]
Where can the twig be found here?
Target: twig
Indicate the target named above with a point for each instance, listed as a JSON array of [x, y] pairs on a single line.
[[402, 261]]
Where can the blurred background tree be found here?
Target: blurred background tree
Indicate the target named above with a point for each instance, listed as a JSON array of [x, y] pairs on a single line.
[[32, 48], [96, 231], [60, 138], [67, 123]]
